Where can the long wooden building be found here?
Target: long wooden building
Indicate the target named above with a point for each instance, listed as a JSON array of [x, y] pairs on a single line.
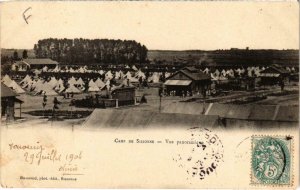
[[188, 80]]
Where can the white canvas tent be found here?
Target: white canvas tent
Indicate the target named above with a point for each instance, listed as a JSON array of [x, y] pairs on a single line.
[[257, 71], [91, 82], [16, 87], [6, 80], [79, 82], [27, 84], [45, 69], [37, 84], [129, 76], [238, 71], [101, 72], [47, 88], [134, 68], [133, 79], [53, 82], [99, 83], [217, 72], [13, 67], [140, 74], [155, 77], [206, 70], [117, 75], [60, 82], [37, 71], [56, 69], [223, 78], [214, 77], [59, 88], [108, 75], [121, 74], [93, 87], [71, 70], [167, 74], [81, 70], [25, 80], [223, 72], [72, 81], [72, 89]]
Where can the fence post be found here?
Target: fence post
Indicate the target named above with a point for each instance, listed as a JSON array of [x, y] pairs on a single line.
[[117, 103]]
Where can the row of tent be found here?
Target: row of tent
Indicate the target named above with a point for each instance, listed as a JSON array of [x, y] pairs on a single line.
[[55, 87], [82, 69], [231, 73], [132, 76], [155, 77], [85, 69]]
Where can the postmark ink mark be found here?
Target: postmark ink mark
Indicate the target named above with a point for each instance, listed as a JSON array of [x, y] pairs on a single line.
[[288, 137], [271, 160], [26, 15], [203, 156]]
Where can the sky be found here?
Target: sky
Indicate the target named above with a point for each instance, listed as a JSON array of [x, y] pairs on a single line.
[[158, 25]]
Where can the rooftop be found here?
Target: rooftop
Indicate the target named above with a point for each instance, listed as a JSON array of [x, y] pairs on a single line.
[[44, 61], [192, 73], [126, 118], [6, 91], [276, 69]]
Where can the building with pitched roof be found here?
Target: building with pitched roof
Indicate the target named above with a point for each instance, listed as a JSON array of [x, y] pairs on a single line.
[[8, 100], [187, 80], [26, 64], [274, 74]]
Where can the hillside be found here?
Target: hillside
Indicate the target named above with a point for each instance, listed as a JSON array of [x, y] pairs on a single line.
[[10, 52], [228, 57]]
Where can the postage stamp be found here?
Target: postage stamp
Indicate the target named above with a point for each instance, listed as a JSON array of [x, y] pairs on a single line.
[[271, 160]]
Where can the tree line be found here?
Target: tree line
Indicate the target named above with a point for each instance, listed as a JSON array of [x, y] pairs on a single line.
[[83, 51]]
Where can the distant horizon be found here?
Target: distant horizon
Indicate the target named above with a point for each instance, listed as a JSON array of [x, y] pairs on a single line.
[[233, 48], [155, 49]]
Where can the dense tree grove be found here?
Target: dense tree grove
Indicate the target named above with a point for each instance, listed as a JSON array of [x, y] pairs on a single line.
[[25, 54], [82, 51], [16, 56]]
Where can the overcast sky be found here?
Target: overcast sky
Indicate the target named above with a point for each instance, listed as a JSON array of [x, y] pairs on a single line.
[[158, 25]]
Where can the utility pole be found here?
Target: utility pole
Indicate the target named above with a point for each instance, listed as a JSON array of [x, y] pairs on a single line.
[[160, 95]]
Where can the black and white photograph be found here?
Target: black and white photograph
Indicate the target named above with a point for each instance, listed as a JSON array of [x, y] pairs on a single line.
[[150, 94]]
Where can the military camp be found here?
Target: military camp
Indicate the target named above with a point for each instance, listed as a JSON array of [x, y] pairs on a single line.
[[135, 86]]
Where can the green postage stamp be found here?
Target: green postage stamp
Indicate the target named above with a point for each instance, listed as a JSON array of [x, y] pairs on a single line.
[[271, 160]]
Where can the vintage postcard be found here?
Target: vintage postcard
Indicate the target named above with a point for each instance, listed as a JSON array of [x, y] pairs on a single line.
[[149, 94]]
